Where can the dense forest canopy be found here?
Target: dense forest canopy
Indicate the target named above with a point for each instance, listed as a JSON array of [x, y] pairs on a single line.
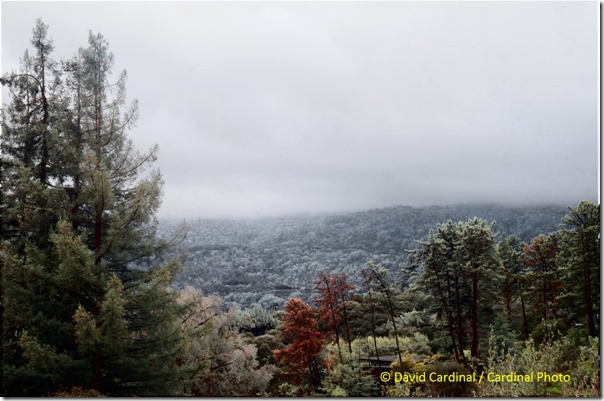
[[249, 260], [99, 299]]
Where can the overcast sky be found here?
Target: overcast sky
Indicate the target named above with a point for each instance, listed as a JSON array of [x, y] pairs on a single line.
[[276, 108]]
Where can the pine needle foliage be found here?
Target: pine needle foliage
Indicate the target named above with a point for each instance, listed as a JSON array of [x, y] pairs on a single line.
[[87, 307]]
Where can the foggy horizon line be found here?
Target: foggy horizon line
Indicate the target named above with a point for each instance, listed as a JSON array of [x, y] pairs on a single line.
[[260, 216]]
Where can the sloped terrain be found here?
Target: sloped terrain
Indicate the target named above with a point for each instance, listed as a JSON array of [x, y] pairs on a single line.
[[269, 260]]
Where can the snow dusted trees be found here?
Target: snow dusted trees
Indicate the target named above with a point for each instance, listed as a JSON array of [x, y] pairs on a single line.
[[217, 360], [580, 263], [462, 272], [78, 224]]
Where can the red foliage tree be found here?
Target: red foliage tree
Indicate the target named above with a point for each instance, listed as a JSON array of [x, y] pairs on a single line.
[[335, 293], [301, 356]]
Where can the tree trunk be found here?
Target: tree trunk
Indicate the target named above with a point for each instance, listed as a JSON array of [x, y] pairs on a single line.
[[75, 222], [391, 309], [334, 324], [474, 315], [377, 354], [591, 325], [45, 155], [544, 281], [460, 333], [97, 373], [508, 297], [342, 284], [98, 235], [524, 318]]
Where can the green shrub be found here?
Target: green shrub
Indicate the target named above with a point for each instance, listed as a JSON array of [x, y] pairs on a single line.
[[551, 357], [447, 388]]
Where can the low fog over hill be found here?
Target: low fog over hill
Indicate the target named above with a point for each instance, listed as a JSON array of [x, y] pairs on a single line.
[[269, 260]]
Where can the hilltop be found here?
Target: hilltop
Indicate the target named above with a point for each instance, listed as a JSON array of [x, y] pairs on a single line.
[[269, 260]]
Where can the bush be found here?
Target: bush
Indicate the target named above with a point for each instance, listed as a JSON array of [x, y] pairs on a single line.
[[550, 357], [77, 392], [448, 388]]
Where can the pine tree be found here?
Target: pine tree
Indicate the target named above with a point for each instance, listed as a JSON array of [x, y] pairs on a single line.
[[27, 198], [462, 271], [478, 256], [443, 279], [377, 277], [580, 264], [86, 283], [541, 258], [511, 253], [367, 282]]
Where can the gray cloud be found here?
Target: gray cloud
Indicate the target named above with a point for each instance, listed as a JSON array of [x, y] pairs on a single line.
[[274, 108]]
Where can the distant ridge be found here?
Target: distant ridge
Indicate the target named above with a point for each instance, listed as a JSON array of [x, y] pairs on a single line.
[[271, 259]]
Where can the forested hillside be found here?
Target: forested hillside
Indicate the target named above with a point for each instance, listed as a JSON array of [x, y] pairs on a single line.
[[99, 299], [269, 260]]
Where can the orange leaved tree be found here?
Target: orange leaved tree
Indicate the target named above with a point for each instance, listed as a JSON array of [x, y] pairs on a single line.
[[301, 357], [335, 294]]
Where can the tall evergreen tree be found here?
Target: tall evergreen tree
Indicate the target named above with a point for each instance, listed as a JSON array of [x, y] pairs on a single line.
[[541, 258], [26, 146], [478, 256], [511, 253], [462, 271], [580, 264], [85, 279], [442, 278], [377, 278], [367, 282]]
